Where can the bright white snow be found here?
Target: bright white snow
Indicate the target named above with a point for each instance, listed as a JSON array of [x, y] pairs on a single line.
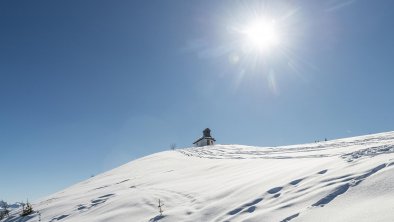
[[341, 180]]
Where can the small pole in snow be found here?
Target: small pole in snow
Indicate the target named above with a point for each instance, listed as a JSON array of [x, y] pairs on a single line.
[[160, 209]]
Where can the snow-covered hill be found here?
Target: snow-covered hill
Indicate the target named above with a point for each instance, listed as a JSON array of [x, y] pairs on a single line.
[[341, 180]]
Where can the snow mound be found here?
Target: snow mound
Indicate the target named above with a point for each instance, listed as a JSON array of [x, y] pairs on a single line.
[[340, 180]]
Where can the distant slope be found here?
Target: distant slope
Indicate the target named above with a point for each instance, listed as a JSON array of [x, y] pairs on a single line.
[[341, 180]]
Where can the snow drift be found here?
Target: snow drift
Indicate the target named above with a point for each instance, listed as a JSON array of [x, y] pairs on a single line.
[[341, 180]]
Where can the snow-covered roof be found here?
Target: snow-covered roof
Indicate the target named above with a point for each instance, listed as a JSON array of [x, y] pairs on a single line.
[[201, 138]]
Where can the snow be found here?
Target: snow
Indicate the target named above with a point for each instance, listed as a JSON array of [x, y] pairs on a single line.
[[340, 180], [10, 206]]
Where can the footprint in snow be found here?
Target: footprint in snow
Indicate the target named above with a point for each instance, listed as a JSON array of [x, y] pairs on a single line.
[[295, 182], [322, 172], [290, 217], [274, 190], [122, 181], [276, 195], [81, 207], [59, 217], [235, 211], [102, 187], [100, 200], [107, 195], [250, 207]]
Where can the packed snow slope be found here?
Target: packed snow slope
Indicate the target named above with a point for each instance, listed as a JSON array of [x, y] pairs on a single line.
[[340, 180]]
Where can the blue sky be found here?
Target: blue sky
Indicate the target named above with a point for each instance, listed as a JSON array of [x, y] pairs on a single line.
[[88, 85]]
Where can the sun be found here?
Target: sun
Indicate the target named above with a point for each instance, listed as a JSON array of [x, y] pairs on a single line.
[[261, 34]]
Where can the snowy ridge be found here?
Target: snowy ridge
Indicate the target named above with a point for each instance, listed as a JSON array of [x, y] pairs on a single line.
[[340, 180], [373, 145]]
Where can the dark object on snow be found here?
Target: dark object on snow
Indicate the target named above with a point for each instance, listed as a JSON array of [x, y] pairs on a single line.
[[160, 209]]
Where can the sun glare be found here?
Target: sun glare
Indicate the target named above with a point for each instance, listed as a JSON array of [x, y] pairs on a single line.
[[263, 41], [261, 34]]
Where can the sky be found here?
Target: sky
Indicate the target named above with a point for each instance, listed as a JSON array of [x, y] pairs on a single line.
[[86, 86]]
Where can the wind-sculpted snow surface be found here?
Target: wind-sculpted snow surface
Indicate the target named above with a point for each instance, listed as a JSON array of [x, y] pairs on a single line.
[[340, 180]]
